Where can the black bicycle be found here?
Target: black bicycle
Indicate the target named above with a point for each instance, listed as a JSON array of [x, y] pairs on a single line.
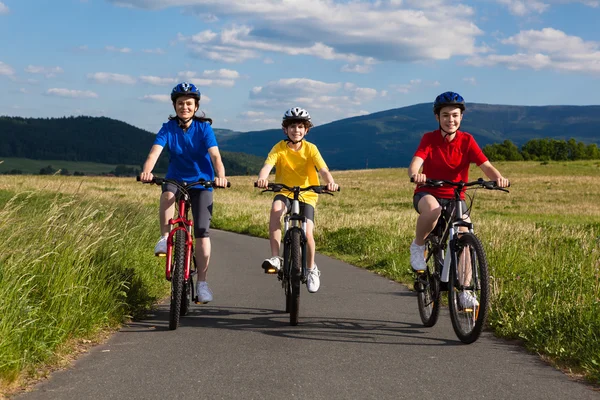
[[181, 269], [456, 263], [292, 274]]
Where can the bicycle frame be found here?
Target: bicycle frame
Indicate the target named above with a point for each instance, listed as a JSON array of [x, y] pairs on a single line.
[[182, 222], [451, 232], [297, 221]]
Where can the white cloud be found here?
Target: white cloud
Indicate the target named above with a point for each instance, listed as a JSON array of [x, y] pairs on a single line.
[[6, 69], [158, 81], [351, 31], [154, 51], [117, 50], [546, 49], [49, 72], [76, 94], [525, 7], [325, 101], [156, 98], [470, 80], [357, 68], [3, 9], [107, 77], [221, 73]]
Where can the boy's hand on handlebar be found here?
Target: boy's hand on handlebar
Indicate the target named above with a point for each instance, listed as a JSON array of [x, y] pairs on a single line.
[[418, 178], [220, 182], [502, 182], [332, 187], [262, 183], [146, 177]]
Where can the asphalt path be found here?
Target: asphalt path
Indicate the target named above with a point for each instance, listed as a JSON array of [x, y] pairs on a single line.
[[359, 337]]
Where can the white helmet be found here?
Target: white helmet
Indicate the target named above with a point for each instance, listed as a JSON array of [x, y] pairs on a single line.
[[297, 114]]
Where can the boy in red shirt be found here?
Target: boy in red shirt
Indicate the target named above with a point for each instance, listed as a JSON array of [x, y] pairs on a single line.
[[444, 154]]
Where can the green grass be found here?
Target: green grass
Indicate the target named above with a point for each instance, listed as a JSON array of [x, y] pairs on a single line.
[[28, 166], [61, 282], [70, 267]]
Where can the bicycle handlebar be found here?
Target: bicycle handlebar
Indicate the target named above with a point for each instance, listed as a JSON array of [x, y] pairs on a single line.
[[276, 187], [490, 185], [159, 181]]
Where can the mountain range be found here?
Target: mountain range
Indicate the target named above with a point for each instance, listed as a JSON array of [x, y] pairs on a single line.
[[390, 138], [379, 140]]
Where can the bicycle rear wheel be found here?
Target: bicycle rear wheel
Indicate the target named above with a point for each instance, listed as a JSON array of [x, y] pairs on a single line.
[[468, 291], [295, 275], [177, 279], [427, 286]]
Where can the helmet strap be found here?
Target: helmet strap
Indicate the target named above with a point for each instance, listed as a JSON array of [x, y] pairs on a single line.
[[446, 134], [183, 122]]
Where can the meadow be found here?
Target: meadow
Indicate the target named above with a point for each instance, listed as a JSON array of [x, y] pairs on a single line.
[[76, 251]]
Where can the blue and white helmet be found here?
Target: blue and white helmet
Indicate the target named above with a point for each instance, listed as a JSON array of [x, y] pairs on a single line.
[[297, 114], [185, 89]]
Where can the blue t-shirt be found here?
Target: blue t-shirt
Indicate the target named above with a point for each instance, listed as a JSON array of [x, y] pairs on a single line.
[[189, 160]]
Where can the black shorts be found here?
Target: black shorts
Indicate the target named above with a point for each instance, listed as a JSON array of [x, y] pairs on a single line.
[[443, 202], [202, 207], [305, 209]]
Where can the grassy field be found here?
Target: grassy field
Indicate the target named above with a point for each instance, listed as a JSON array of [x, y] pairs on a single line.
[[28, 166], [61, 284]]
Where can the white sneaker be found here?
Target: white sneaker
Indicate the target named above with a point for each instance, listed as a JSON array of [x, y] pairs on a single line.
[[467, 300], [273, 263], [204, 293], [161, 247], [417, 257], [313, 282]]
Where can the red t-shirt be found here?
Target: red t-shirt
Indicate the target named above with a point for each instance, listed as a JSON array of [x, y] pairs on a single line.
[[448, 160]]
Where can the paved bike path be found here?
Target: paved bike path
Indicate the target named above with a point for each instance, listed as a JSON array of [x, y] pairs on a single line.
[[359, 337]]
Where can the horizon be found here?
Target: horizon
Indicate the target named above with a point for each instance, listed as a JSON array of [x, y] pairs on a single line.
[[253, 63]]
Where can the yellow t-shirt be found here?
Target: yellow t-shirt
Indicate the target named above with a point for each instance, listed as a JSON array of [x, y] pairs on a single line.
[[297, 168]]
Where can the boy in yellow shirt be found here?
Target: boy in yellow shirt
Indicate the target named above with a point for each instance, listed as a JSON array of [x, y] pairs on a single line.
[[296, 163]]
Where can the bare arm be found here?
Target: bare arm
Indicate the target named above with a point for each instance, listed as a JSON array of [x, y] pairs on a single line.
[[146, 175], [413, 170], [493, 174], [328, 178], [263, 176], [215, 157]]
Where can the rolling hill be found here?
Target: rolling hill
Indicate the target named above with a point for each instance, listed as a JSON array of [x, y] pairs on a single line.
[[379, 140]]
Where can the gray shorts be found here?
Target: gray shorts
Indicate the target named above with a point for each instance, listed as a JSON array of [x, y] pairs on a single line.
[[305, 209], [202, 207], [442, 202]]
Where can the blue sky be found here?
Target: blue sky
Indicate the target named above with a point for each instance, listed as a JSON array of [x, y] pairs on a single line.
[[253, 59]]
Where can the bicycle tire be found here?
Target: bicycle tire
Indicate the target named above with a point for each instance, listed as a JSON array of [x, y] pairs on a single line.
[[189, 287], [428, 286], [177, 279], [295, 275], [468, 322]]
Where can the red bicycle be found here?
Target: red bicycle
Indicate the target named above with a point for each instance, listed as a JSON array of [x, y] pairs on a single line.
[[181, 269]]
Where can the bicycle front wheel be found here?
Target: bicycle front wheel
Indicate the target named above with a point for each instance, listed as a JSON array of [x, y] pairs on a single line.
[[189, 287], [427, 286], [177, 279], [295, 275], [468, 292]]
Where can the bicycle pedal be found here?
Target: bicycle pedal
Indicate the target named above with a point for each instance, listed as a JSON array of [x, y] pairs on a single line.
[[271, 271], [160, 255]]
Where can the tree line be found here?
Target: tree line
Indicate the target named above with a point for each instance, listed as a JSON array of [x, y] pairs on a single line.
[[546, 149]]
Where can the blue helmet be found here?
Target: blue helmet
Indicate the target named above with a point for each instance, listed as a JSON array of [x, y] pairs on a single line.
[[185, 89], [448, 99]]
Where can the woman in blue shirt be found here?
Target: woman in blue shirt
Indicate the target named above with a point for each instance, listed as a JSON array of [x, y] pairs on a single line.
[[194, 155]]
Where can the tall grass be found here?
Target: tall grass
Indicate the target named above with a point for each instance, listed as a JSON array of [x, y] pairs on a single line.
[[70, 266], [542, 241], [76, 257]]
